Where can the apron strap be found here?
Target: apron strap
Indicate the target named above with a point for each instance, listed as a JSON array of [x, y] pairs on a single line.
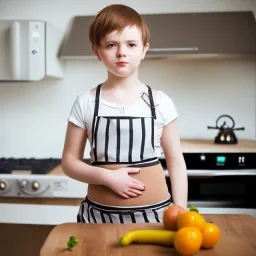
[[150, 95], [96, 110], [97, 100]]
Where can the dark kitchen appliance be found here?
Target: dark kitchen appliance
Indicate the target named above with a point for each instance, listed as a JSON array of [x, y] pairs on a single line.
[[226, 134], [221, 178]]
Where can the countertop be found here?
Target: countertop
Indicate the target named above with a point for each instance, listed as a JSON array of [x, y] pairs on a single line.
[[208, 146], [238, 237]]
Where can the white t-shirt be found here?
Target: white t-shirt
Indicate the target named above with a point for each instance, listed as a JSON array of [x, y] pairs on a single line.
[[83, 110]]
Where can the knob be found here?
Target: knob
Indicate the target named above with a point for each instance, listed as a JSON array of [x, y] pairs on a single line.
[[3, 185], [23, 183], [35, 185]]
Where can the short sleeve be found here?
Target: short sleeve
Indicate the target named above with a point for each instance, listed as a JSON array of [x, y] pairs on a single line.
[[165, 108], [77, 115]]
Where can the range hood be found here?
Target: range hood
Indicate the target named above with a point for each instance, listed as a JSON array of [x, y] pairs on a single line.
[[194, 34]]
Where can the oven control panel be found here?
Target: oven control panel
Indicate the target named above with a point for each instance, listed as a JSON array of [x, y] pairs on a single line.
[[41, 186], [220, 161]]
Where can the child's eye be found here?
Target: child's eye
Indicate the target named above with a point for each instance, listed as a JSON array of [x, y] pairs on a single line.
[[110, 45], [131, 45]]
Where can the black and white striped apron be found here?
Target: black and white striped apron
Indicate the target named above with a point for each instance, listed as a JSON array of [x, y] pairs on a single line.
[[92, 212], [125, 140]]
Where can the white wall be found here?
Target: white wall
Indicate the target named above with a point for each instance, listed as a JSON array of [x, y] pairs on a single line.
[[33, 115]]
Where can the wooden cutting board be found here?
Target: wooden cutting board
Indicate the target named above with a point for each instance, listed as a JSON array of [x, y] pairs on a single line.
[[238, 237]]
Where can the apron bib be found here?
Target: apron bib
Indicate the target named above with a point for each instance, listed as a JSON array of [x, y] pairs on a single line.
[[123, 139]]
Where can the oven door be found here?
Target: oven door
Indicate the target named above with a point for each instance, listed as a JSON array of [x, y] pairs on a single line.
[[221, 192]]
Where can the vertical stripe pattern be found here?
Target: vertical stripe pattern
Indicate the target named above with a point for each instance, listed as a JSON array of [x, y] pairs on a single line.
[[145, 216], [122, 139], [133, 217], [121, 218], [130, 140], [118, 140], [96, 111], [107, 140], [96, 138], [152, 105], [143, 138], [156, 215], [91, 212], [88, 214], [102, 217], [110, 218], [153, 133]]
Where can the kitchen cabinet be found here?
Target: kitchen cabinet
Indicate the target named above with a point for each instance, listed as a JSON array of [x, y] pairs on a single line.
[[172, 34], [202, 33]]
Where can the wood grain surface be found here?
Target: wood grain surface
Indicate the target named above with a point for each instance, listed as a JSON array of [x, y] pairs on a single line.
[[238, 237]]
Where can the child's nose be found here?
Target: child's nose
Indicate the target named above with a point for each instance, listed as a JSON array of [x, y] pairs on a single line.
[[121, 52]]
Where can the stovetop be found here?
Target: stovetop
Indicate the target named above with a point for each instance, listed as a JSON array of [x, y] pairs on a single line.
[[36, 166], [14, 182]]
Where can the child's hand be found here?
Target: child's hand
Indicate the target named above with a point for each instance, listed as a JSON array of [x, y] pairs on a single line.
[[124, 185]]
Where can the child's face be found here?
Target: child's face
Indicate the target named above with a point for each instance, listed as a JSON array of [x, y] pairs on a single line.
[[122, 52]]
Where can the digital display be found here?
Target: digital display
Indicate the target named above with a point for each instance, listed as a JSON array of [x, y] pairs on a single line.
[[221, 159]]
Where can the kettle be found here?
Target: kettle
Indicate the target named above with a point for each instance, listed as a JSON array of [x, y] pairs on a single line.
[[226, 134]]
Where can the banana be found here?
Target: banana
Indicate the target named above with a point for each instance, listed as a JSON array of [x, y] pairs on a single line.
[[147, 236]]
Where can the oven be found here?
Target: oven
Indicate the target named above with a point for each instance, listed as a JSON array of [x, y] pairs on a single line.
[[223, 181]]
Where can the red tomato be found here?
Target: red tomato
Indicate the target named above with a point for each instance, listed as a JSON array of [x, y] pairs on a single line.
[[170, 216]]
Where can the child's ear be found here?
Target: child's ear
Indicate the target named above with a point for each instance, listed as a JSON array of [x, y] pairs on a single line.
[[145, 49], [95, 49]]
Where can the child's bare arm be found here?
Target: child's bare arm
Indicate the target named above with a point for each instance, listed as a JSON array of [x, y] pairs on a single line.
[[74, 167], [176, 166]]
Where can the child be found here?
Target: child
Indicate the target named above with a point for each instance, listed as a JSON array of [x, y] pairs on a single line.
[[125, 122]]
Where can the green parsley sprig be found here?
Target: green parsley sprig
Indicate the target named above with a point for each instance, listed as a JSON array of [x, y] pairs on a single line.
[[72, 242]]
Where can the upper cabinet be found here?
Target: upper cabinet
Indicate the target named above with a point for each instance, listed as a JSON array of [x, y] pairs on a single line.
[[212, 33], [205, 33]]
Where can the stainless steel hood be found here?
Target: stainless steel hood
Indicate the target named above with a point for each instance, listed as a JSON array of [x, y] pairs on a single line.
[[177, 35]]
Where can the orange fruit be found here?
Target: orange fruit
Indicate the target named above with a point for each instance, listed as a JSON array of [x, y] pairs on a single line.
[[211, 235], [190, 219], [187, 241], [170, 216]]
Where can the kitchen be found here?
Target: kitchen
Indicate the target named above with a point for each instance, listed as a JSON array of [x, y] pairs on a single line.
[[34, 114]]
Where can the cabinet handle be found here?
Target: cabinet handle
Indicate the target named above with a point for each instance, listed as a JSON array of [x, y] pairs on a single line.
[[174, 49]]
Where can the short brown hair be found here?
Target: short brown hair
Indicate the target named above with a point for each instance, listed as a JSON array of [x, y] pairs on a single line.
[[116, 17]]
